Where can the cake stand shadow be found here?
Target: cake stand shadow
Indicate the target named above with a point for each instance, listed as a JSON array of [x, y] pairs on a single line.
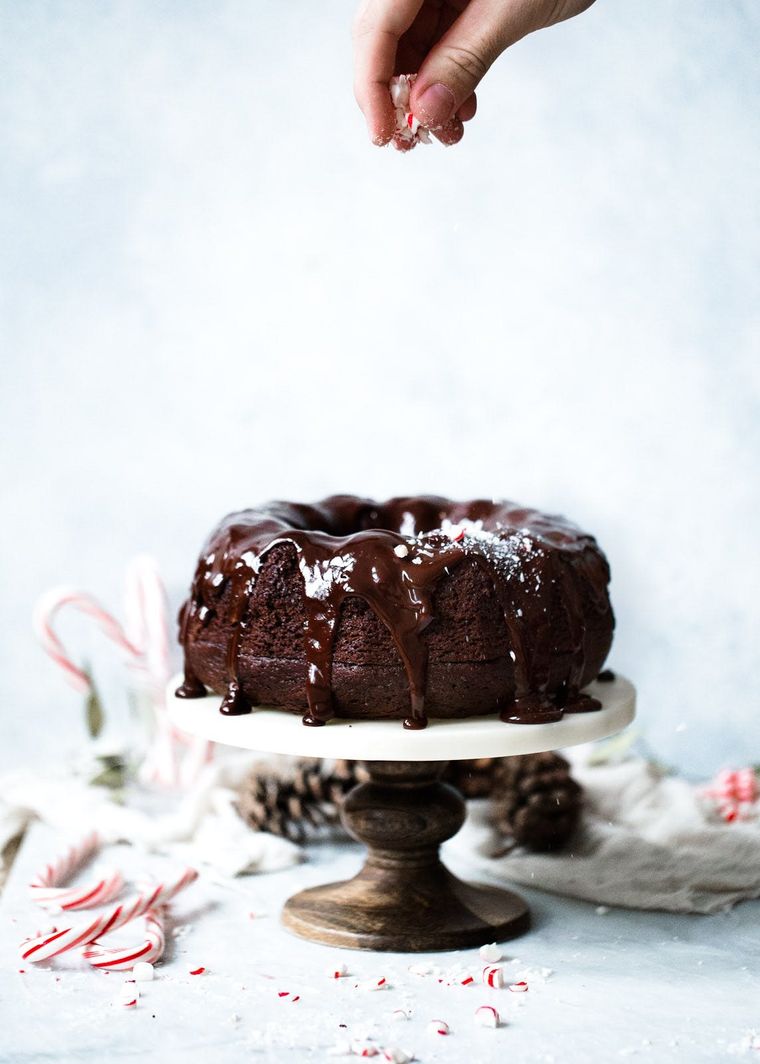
[[404, 898]]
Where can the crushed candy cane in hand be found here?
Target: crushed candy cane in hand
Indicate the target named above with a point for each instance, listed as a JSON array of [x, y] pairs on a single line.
[[409, 131]]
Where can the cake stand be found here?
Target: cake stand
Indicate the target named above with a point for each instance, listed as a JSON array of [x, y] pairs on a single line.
[[404, 898]]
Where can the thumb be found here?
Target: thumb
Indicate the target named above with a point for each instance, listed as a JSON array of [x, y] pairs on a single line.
[[457, 63]]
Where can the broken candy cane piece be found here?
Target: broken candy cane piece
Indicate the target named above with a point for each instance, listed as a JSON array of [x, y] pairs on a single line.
[[143, 971], [493, 976], [518, 988], [491, 952], [409, 131], [397, 1056], [337, 971], [438, 1027], [487, 1016]]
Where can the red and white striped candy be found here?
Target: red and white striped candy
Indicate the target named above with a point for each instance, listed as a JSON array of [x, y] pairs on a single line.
[[52, 943], [45, 888], [126, 957], [493, 976], [438, 1027], [487, 1016], [518, 988], [44, 614], [734, 793], [396, 1055]]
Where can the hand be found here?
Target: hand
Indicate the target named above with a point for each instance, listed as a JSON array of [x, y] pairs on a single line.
[[449, 44]]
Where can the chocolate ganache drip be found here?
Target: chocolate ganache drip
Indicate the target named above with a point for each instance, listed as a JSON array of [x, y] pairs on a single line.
[[393, 556]]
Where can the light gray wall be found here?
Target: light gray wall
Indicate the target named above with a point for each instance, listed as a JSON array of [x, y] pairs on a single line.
[[215, 291]]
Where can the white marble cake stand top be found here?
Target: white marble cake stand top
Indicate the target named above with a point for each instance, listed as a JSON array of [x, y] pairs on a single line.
[[278, 732]]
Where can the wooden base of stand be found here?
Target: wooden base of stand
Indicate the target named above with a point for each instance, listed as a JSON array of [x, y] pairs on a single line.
[[404, 899]]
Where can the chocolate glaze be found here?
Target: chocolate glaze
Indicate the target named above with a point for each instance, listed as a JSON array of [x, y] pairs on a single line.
[[393, 556]]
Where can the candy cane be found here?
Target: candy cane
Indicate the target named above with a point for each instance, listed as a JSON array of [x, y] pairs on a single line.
[[46, 609], [45, 888], [144, 640], [52, 943], [124, 958]]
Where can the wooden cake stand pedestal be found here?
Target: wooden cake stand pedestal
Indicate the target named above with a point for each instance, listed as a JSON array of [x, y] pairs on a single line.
[[404, 898]]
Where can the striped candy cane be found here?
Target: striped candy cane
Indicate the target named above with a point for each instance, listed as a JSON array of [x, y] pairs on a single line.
[[52, 943], [45, 612], [150, 949], [172, 758], [45, 888]]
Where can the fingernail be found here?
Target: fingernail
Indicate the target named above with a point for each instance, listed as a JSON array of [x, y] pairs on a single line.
[[436, 105]]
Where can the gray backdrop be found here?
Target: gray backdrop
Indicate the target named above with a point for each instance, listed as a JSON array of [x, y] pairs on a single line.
[[215, 291]]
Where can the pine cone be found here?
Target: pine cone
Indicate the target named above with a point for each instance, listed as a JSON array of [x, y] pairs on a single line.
[[475, 779], [536, 800], [295, 805]]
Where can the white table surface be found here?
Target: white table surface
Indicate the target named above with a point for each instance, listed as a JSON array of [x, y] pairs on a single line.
[[653, 986]]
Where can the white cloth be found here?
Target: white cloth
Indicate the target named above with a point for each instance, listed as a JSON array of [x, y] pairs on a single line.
[[648, 841], [201, 826]]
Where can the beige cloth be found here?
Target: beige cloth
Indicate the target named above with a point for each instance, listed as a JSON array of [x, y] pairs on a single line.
[[648, 841]]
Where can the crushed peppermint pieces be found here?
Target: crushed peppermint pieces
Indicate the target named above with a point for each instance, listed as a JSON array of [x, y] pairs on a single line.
[[197, 971], [337, 971], [143, 971], [518, 988], [487, 1016], [373, 984], [401, 550], [409, 130], [491, 952], [399, 1014], [438, 1027], [397, 1056], [493, 976]]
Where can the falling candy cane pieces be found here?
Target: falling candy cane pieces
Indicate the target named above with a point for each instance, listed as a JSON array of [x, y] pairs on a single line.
[[487, 1016]]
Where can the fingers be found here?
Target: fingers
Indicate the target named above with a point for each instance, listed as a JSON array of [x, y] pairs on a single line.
[[377, 29], [468, 108], [457, 63], [451, 133]]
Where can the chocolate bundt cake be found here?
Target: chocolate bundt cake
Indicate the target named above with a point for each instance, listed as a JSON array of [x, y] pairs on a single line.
[[413, 607]]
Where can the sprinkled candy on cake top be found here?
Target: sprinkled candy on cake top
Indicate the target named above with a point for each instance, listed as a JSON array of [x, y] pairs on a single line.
[[549, 580]]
